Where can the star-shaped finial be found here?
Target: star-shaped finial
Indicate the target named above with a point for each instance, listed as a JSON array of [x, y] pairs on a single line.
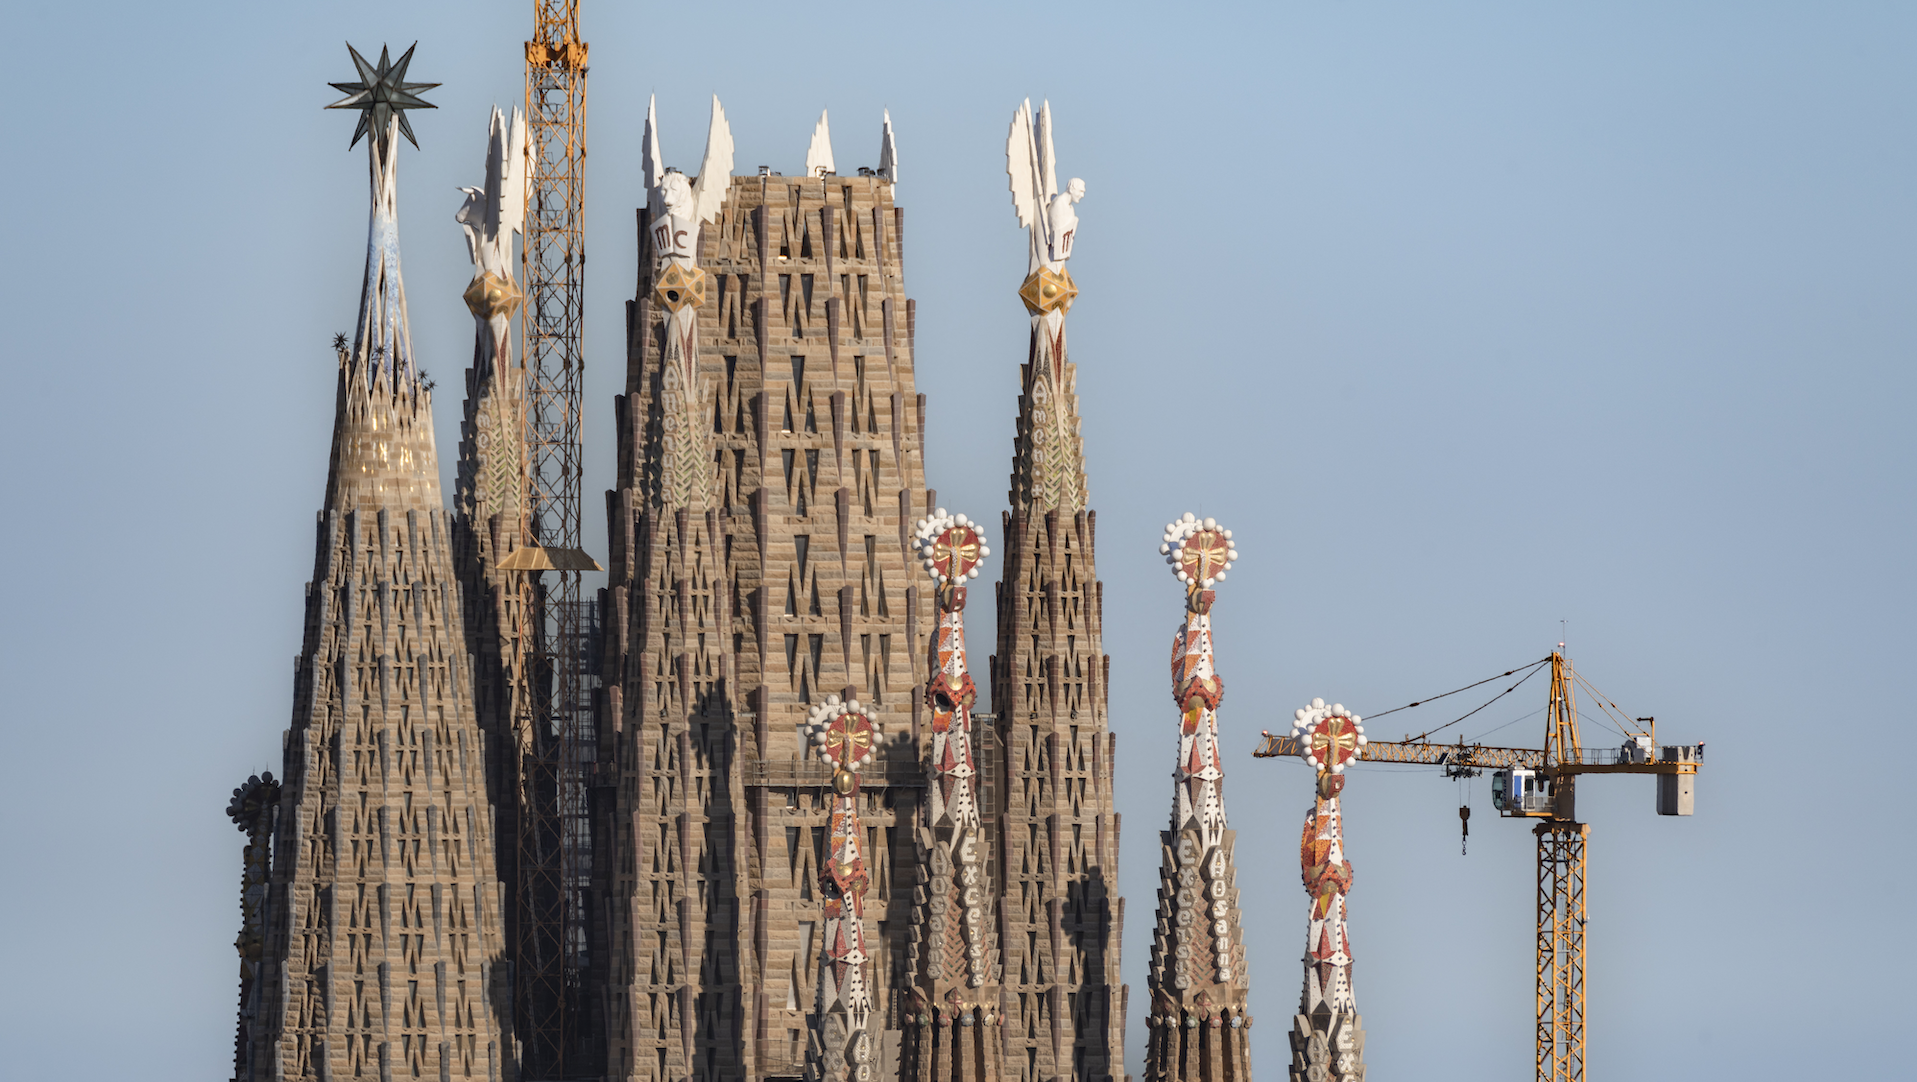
[[381, 95]]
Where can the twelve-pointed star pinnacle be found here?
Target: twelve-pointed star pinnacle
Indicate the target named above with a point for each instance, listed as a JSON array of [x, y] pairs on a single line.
[[381, 95]]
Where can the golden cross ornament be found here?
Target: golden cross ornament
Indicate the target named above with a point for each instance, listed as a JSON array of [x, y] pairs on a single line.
[[1334, 741], [1204, 555], [957, 550], [847, 738]]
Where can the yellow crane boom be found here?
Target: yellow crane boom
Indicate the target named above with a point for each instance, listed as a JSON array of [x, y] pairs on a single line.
[[1485, 757]]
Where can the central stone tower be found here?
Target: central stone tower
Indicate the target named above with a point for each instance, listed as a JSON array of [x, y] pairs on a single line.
[[770, 471]]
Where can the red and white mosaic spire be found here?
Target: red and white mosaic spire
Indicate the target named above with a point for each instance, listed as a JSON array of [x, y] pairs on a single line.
[[1327, 1038], [1198, 983], [954, 955], [845, 734]]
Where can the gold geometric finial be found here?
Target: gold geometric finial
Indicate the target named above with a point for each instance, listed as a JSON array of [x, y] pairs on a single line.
[[1046, 289]]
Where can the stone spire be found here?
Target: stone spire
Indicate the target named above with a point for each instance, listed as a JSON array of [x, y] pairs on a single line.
[[1199, 1031], [1060, 915], [489, 500], [382, 916], [1327, 1035], [952, 1033], [843, 1047]]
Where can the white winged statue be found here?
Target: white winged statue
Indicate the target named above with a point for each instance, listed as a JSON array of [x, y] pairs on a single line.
[[679, 206], [1042, 208], [490, 216]]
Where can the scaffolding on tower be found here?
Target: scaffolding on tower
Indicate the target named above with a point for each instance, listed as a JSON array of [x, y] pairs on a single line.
[[555, 737]]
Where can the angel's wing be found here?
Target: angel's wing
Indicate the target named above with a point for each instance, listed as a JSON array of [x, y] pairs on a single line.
[[1047, 167], [485, 207], [715, 172], [888, 152], [650, 158], [818, 156], [512, 180], [1021, 165]]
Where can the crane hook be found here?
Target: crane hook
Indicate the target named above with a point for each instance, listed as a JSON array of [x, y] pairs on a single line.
[[1464, 821]]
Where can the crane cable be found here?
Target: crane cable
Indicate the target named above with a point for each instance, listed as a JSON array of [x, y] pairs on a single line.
[[1534, 667], [1605, 703]]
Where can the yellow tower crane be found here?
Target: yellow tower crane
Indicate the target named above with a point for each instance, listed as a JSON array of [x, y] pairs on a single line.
[[1541, 784], [551, 860]]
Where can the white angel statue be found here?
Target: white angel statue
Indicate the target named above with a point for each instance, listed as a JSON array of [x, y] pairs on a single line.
[[678, 205], [491, 473], [490, 216], [1043, 209]]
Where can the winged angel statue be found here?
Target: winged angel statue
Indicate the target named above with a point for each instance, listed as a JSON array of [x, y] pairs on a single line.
[[1042, 208], [1051, 472], [492, 478], [677, 207], [490, 216]]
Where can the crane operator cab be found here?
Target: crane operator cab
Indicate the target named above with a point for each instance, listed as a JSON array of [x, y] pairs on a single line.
[[1521, 793]]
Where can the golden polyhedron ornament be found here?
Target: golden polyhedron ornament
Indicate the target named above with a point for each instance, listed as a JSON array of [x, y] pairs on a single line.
[[490, 295], [679, 287], [1046, 289]]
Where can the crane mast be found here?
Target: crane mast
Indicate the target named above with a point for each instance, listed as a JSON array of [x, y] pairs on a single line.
[[1561, 913], [555, 738], [1541, 784]]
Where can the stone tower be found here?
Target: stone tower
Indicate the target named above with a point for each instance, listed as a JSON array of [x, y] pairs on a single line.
[[489, 503], [770, 470], [1060, 917], [1199, 1031], [382, 915]]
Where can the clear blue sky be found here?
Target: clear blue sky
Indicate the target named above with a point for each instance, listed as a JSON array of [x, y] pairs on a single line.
[[1468, 318]]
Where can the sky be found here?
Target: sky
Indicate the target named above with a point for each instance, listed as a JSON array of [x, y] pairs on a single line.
[[1484, 326]]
